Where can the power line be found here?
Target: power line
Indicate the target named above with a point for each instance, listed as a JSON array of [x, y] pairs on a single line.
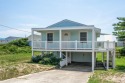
[[14, 28]]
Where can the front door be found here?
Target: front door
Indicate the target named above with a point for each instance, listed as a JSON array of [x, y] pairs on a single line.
[[65, 39], [65, 36]]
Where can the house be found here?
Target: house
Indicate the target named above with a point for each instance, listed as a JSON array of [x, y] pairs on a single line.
[[36, 38], [8, 39], [74, 42]]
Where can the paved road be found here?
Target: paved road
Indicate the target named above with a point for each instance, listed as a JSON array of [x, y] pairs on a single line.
[[64, 75]]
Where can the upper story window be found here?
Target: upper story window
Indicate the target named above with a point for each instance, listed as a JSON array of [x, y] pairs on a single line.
[[83, 36], [49, 36]]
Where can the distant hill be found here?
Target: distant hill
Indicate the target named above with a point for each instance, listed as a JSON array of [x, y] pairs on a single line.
[[8, 39], [11, 38]]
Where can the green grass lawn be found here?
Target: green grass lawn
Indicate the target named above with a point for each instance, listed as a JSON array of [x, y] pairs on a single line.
[[110, 76], [14, 58], [14, 65]]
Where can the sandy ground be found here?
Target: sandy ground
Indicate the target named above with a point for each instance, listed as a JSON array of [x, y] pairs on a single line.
[[64, 75]]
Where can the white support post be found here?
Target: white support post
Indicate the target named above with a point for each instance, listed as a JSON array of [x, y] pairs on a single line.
[[107, 61], [41, 44], [32, 42], [60, 53], [76, 44], [107, 45], [114, 56], [93, 47], [60, 39], [70, 57], [66, 58]]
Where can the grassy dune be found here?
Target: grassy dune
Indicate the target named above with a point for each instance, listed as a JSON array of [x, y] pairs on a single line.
[[14, 65]]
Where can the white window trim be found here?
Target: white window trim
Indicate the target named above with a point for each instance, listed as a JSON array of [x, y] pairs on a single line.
[[86, 34]]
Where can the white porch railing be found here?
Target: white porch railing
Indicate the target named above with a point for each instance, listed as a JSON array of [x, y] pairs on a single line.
[[104, 45], [63, 62], [72, 45]]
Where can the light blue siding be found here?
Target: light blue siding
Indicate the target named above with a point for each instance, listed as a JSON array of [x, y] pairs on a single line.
[[89, 35], [56, 35], [43, 36], [81, 57], [74, 35]]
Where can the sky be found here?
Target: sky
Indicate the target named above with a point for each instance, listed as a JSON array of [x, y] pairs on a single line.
[[27, 14]]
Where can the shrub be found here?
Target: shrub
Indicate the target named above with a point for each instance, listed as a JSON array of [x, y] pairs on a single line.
[[20, 42], [10, 48], [47, 59], [36, 59], [50, 59], [122, 51]]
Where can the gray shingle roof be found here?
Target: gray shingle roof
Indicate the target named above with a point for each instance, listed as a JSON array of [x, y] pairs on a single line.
[[66, 23]]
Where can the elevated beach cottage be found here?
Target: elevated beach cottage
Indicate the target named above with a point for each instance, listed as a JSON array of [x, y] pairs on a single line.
[[74, 42]]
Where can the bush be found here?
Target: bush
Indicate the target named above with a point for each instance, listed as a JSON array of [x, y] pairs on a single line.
[[46, 59], [122, 51], [20, 42], [16, 46], [50, 59], [36, 59]]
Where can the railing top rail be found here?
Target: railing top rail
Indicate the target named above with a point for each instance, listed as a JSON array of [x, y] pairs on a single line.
[[79, 41], [62, 41]]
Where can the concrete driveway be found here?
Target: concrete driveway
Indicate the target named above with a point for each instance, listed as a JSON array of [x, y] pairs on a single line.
[[68, 74]]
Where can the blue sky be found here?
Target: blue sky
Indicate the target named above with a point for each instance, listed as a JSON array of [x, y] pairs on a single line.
[[25, 14]]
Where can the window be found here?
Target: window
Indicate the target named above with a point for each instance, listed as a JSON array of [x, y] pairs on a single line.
[[49, 36], [83, 36]]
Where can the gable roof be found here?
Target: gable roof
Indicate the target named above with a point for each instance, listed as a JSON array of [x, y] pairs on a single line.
[[66, 23]]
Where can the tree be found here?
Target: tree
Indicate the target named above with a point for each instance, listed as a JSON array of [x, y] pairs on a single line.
[[119, 29]]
